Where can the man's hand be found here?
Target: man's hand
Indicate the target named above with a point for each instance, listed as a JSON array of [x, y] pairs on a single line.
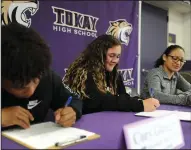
[[150, 104], [65, 116], [16, 115]]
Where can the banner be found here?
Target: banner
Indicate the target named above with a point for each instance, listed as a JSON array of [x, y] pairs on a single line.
[[68, 26]]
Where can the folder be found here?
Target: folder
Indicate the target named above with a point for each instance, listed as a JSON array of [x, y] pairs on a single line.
[[46, 135]]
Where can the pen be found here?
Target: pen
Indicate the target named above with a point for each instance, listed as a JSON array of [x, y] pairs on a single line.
[[79, 139], [66, 105], [151, 91], [68, 101], [152, 94]]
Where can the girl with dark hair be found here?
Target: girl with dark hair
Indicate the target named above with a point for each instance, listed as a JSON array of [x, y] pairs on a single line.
[[168, 85], [93, 75]]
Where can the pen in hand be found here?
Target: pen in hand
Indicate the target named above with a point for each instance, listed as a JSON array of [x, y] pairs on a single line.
[[68, 101], [151, 91], [59, 110]]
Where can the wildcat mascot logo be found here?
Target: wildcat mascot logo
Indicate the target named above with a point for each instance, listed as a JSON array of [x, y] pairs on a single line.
[[15, 11], [120, 29]]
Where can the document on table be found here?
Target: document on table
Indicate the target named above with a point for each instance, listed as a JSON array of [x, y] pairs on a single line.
[[46, 135], [186, 116]]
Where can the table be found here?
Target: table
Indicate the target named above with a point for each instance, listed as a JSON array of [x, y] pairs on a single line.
[[109, 125]]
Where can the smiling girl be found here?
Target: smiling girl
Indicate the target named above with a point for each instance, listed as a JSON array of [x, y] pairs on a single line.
[[165, 79], [94, 76]]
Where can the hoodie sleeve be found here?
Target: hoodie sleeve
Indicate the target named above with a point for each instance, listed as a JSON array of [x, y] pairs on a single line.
[[108, 102]]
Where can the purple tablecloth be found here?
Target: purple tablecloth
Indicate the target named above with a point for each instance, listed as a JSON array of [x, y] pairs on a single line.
[[109, 125]]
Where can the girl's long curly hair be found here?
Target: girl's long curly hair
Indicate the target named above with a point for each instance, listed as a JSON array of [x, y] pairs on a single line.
[[92, 59]]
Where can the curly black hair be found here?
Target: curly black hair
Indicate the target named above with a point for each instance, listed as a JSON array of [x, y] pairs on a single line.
[[24, 54], [92, 60]]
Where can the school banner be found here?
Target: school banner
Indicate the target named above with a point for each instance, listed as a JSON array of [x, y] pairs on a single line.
[[68, 26]]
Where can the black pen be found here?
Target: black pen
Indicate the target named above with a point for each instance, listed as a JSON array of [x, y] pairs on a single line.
[[64, 143]]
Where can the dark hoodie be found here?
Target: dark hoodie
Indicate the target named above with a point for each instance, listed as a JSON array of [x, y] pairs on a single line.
[[49, 94], [100, 101]]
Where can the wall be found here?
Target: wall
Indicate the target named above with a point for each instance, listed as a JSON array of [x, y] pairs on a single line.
[[180, 25], [153, 36], [187, 34]]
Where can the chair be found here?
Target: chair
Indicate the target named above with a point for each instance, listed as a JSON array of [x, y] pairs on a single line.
[[186, 75], [131, 91]]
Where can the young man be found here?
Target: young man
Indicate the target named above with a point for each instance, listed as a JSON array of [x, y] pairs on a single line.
[[29, 88]]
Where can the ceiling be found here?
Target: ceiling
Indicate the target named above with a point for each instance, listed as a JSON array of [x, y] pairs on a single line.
[[179, 6]]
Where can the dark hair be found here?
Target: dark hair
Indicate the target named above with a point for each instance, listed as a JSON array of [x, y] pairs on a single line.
[[92, 59], [25, 55], [169, 49]]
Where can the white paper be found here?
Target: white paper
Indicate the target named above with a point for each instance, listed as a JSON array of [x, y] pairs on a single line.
[[186, 116], [44, 135]]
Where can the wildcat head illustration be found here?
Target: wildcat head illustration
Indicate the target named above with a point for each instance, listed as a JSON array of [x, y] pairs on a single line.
[[120, 29], [15, 11]]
